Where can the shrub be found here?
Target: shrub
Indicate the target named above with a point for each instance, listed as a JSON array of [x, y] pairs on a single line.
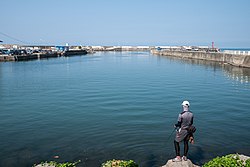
[[248, 163], [231, 160], [56, 164], [120, 163]]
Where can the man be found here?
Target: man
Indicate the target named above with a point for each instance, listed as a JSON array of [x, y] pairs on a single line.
[[185, 120]]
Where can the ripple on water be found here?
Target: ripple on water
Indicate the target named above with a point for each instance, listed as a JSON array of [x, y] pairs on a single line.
[[119, 105]]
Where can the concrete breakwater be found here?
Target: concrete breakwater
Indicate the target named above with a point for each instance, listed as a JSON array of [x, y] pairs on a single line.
[[235, 60]]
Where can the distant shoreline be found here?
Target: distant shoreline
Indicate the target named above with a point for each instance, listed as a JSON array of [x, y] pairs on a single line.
[[238, 57]]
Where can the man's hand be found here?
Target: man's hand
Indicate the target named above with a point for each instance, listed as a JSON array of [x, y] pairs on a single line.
[[191, 140]]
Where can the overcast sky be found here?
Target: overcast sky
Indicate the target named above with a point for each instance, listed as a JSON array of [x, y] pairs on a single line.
[[126, 22]]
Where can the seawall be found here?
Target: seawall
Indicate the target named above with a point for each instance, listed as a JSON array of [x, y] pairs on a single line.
[[233, 59]]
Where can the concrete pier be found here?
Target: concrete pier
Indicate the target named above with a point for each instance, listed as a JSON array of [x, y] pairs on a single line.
[[233, 59]]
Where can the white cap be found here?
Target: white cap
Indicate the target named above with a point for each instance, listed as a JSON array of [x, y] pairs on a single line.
[[185, 103]]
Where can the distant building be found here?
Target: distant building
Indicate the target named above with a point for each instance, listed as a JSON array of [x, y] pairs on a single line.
[[62, 48]]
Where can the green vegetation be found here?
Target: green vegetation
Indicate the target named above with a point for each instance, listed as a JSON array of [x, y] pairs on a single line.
[[56, 164], [120, 163], [231, 160], [247, 163]]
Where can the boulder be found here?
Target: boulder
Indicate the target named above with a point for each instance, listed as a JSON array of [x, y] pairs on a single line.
[[187, 163]]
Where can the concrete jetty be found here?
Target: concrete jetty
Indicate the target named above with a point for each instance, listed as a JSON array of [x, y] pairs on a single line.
[[232, 59]]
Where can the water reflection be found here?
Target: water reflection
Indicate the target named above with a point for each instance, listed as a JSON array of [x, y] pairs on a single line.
[[241, 75]]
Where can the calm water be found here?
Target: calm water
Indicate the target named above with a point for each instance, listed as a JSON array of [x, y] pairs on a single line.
[[117, 105]]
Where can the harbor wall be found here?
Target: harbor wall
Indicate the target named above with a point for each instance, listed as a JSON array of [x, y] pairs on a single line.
[[236, 60], [26, 57]]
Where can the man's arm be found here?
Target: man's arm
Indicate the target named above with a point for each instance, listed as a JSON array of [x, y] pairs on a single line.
[[179, 121], [178, 124]]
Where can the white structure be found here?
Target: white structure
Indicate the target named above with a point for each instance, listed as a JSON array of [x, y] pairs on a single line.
[[2, 47], [237, 52]]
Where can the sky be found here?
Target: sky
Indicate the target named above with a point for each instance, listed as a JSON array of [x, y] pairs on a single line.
[[126, 22]]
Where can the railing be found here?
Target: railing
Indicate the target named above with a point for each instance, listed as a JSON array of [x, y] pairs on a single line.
[[237, 52]]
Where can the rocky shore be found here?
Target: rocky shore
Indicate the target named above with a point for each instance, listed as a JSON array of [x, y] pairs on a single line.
[[189, 163], [169, 163]]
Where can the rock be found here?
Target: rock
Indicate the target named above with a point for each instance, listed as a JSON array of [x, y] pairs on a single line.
[[45, 165], [243, 157], [187, 163]]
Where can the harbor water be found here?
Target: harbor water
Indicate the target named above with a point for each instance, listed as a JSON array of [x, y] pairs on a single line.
[[119, 105]]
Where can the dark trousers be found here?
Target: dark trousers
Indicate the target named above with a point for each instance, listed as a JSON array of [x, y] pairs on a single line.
[[177, 146]]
